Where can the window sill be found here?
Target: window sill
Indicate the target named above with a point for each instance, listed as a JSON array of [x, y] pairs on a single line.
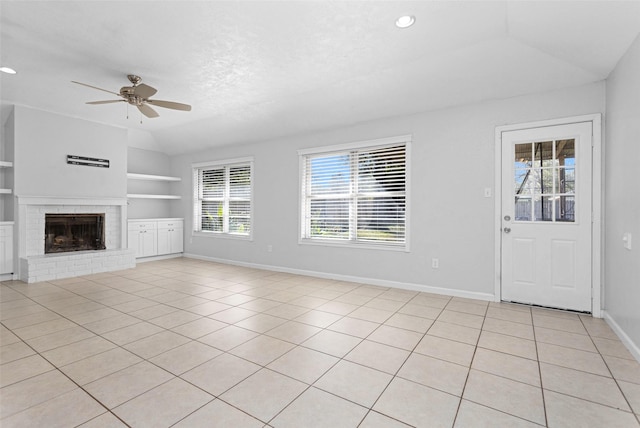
[[360, 245], [218, 235]]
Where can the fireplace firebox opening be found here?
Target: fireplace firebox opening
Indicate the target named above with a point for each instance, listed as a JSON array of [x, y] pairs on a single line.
[[73, 232]]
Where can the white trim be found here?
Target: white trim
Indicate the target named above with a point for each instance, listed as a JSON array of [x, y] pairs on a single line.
[[550, 122], [357, 145], [596, 201], [624, 338], [597, 231], [220, 235], [348, 278], [48, 200], [151, 196], [351, 244], [156, 258], [221, 162], [148, 177]]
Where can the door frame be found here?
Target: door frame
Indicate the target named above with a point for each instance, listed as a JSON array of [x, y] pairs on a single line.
[[596, 201]]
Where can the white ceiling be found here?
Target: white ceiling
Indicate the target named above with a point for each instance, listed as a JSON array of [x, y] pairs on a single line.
[[256, 70]]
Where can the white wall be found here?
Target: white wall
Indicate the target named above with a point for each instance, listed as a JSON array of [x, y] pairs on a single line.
[[622, 196], [452, 162], [42, 142]]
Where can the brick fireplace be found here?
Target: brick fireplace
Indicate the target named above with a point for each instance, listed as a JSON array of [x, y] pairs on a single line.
[[37, 264]]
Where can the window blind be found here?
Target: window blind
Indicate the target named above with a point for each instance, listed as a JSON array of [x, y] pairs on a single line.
[[357, 195], [222, 202]]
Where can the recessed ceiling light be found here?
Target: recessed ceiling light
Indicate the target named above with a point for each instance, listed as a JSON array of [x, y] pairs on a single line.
[[7, 70], [405, 21]]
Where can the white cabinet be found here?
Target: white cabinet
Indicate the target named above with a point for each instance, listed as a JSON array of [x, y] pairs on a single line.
[[156, 237], [170, 236], [143, 237], [6, 247]]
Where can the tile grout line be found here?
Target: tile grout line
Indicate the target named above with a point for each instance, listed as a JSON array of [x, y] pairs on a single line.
[[626, 399], [544, 401], [466, 380]]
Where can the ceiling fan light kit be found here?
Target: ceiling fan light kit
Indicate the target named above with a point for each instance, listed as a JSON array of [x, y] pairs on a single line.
[[138, 95]]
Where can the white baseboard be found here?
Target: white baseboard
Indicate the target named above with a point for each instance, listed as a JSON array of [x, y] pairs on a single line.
[[155, 258], [631, 346], [349, 278], [7, 277]]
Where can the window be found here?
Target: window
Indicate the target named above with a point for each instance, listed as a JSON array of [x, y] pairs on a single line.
[[356, 194], [222, 197], [545, 181]]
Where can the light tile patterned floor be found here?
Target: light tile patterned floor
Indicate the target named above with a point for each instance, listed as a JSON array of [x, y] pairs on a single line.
[[190, 343]]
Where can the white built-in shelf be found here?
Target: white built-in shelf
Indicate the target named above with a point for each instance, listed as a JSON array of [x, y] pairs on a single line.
[[149, 177], [141, 196], [6, 164], [134, 176]]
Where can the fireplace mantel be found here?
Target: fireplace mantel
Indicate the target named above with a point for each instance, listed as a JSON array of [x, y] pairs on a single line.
[[49, 200]]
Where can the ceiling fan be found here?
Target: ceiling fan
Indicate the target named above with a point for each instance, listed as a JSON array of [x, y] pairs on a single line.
[[138, 95]]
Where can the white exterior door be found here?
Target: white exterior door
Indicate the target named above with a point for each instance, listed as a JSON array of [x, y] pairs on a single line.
[[546, 216]]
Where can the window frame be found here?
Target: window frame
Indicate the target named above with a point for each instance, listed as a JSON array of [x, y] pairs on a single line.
[[303, 226], [197, 202]]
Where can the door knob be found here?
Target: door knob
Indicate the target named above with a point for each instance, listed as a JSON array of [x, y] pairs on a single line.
[[507, 230]]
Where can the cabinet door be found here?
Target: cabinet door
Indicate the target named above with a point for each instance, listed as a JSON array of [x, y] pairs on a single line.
[[164, 241], [177, 240], [148, 241], [170, 241], [6, 250]]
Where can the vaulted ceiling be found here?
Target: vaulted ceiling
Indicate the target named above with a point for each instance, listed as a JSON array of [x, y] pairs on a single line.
[[256, 70]]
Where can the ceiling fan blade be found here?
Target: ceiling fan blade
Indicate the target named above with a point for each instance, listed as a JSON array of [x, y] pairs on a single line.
[[105, 102], [95, 87], [148, 111], [170, 104], [144, 91]]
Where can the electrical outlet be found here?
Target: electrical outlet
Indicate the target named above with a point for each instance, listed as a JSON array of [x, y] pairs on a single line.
[[435, 263], [269, 248], [626, 239], [487, 192]]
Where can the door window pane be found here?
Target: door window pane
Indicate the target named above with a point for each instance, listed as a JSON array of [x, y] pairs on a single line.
[[544, 181], [566, 152], [522, 184], [567, 180], [565, 208], [543, 208], [523, 209], [523, 157], [543, 154]]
